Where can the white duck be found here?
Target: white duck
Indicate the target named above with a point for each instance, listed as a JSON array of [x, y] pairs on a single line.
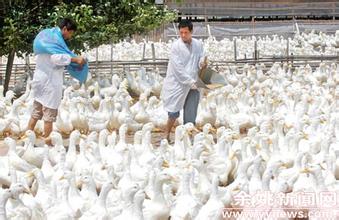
[[99, 209], [78, 121], [179, 143], [127, 195], [71, 154], [137, 140], [63, 122], [33, 155], [122, 145], [5, 126], [74, 197], [214, 206], [62, 209], [207, 112], [22, 190], [45, 194], [18, 125], [15, 161], [157, 207], [125, 117], [95, 100], [186, 206], [102, 140], [54, 153], [111, 90], [303, 181], [8, 99], [88, 190], [255, 183], [16, 209], [47, 168], [158, 115], [147, 156], [142, 116], [5, 194], [137, 171], [81, 162], [203, 186]]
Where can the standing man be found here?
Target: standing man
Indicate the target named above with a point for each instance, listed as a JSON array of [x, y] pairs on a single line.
[[179, 89], [52, 55]]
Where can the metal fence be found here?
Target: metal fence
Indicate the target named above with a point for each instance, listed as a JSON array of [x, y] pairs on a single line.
[[259, 9], [100, 69], [105, 69]]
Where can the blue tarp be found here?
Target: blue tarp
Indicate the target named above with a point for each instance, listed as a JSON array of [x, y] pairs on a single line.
[[50, 41]]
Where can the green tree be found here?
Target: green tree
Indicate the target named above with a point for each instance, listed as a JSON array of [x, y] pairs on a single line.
[[99, 22], [19, 22]]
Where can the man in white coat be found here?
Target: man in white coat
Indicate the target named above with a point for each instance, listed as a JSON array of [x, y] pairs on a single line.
[[48, 80], [179, 89]]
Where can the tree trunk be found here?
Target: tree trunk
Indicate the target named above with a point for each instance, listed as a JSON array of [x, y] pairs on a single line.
[[9, 66]]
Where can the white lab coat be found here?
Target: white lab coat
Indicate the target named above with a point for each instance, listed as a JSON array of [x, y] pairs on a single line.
[[48, 79], [182, 72]]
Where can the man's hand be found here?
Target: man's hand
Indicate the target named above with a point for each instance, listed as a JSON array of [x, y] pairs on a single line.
[[203, 64], [194, 86], [79, 60]]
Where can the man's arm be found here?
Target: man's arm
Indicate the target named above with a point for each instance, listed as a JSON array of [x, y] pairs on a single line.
[[179, 71], [61, 59], [65, 59], [202, 58], [79, 60]]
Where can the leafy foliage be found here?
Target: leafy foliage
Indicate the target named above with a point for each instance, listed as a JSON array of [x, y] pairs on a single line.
[[20, 21], [99, 22]]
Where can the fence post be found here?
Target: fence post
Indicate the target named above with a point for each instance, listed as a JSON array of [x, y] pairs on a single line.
[[96, 60], [288, 47], [153, 51], [333, 10], [253, 25], [255, 49], [209, 30], [235, 48], [144, 51], [112, 58], [15, 73], [153, 54], [175, 29], [27, 67]]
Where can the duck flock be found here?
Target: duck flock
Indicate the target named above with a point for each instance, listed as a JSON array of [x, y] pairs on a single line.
[[269, 130], [303, 44]]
